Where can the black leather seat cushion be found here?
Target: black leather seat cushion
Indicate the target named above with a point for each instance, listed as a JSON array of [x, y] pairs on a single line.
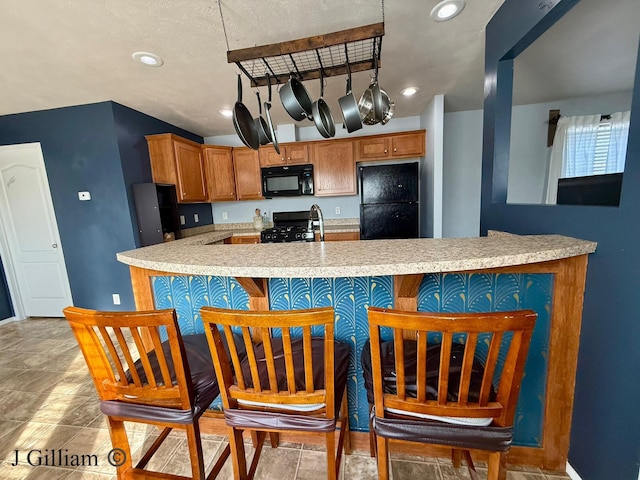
[[341, 362], [410, 368], [497, 439], [203, 377], [251, 419]]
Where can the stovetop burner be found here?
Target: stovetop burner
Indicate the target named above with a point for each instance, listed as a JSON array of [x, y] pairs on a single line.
[[288, 227]]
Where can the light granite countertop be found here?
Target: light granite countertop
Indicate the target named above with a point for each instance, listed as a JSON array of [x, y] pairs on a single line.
[[198, 256]]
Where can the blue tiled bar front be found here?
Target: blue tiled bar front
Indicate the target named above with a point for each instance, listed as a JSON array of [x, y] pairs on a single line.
[[350, 297], [497, 273]]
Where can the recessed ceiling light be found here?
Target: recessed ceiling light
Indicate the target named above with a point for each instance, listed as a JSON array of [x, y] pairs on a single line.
[[447, 9], [149, 59], [409, 91], [225, 113]]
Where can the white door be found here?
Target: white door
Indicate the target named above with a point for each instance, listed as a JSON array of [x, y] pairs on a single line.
[[35, 263]]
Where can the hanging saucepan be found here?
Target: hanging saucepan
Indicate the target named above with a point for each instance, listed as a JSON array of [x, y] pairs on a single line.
[[370, 104], [322, 114], [272, 131], [295, 99], [243, 122], [371, 99], [348, 104], [388, 107], [264, 135]]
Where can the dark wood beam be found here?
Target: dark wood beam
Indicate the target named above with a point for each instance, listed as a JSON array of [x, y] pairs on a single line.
[[309, 43]]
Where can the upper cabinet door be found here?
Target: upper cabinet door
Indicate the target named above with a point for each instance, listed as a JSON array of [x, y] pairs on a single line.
[[246, 165], [218, 168], [269, 157], [391, 146], [189, 166], [334, 168], [297, 153], [291, 154], [178, 162], [372, 148], [408, 145]]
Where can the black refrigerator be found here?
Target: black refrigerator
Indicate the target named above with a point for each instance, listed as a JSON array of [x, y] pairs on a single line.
[[389, 201]]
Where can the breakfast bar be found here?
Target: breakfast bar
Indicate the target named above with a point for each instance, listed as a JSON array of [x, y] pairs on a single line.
[[498, 272]]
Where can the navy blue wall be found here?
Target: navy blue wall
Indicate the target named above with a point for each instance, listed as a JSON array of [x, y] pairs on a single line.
[[99, 148], [131, 128], [605, 439]]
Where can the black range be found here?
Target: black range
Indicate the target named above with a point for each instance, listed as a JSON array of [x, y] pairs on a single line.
[[288, 227]]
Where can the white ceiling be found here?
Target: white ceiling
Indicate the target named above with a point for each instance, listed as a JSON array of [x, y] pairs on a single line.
[[59, 53]]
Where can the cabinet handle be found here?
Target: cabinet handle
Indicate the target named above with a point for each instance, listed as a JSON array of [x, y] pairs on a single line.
[[395, 149], [289, 158], [386, 151], [55, 245]]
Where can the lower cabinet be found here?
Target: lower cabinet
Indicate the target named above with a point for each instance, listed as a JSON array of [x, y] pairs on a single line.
[[339, 236], [242, 239]]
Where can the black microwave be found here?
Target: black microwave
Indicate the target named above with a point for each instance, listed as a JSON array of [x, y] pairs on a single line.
[[287, 181]]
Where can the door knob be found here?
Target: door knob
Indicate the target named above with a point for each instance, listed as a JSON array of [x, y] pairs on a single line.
[[55, 245]]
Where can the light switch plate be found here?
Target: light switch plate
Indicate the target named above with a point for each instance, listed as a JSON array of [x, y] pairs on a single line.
[[84, 196], [196, 218], [182, 220], [116, 299]]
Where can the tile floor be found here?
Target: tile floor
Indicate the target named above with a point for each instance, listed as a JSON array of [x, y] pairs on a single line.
[[48, 403]]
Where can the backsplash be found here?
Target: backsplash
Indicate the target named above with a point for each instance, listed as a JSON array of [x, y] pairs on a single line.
[[349, 207]]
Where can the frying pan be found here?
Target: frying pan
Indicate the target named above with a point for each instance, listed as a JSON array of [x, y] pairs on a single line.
[[349, 106], [295, 99], [322, 114], [267, 107], [243, 122], [261, 125]]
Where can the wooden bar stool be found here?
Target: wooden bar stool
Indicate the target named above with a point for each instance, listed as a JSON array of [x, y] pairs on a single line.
[[168, 384], [290, 379], [448, 379]]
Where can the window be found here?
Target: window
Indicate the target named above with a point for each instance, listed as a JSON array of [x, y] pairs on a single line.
[[595, 145], [587, 145]]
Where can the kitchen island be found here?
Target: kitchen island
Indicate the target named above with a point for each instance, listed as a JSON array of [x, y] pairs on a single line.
[[499, 272]]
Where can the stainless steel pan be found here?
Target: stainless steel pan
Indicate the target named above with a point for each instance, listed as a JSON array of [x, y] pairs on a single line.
[[371, 99]]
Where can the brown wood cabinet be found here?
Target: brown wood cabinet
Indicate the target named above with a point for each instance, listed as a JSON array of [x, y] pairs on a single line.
[[246, 165], [339, 236], [242, 239], [334, 168], [290, 154], [179, 162], [392, 146], [218, 168]]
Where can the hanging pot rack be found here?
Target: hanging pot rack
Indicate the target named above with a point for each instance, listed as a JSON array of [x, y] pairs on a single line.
[[309, 58]]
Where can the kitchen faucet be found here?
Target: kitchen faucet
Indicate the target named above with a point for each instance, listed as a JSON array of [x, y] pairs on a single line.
[[315, 209]]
